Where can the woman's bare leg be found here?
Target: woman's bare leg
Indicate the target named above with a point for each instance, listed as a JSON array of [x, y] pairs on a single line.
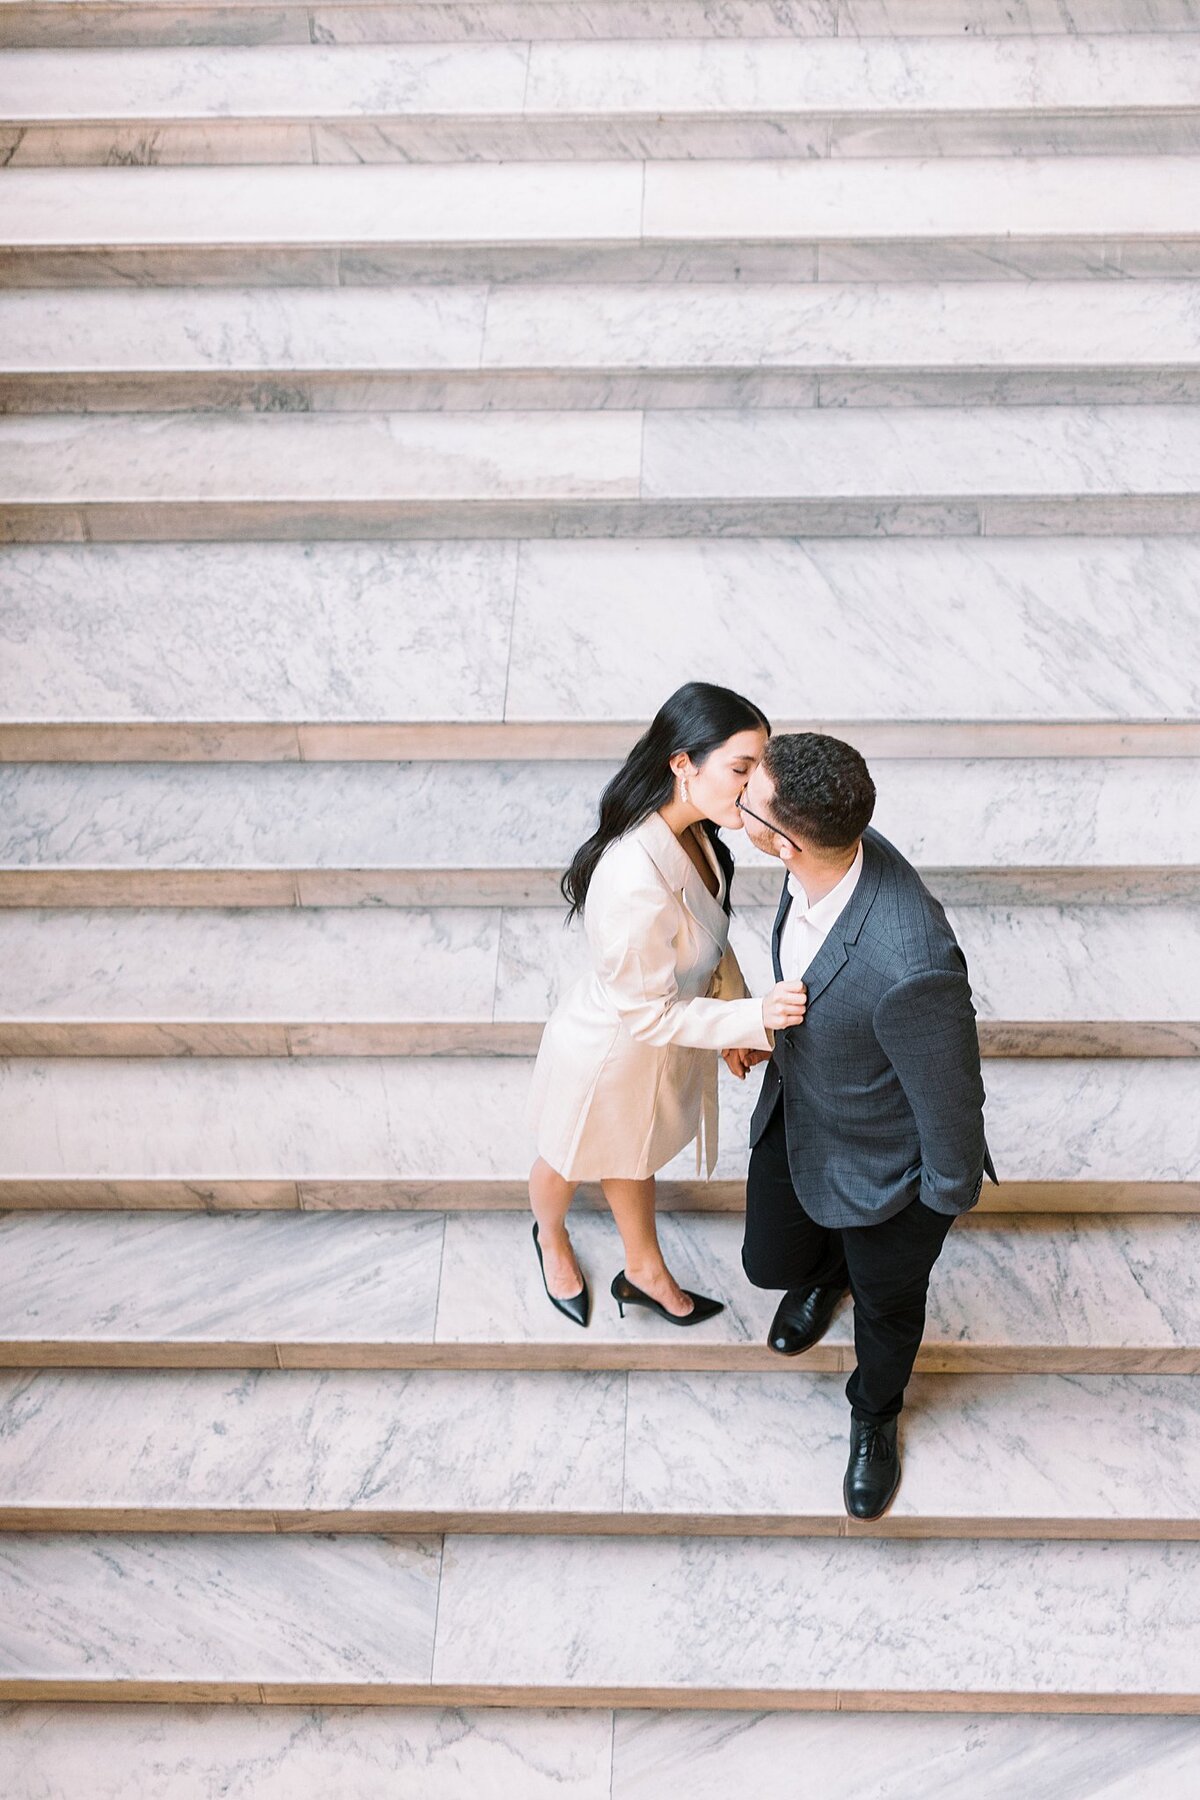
[[550, 1198], [632, 1204]]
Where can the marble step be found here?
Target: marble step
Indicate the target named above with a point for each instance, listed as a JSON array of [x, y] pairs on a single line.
[[971, 645], [1083, 981], [1079, 1456], [485, 1619], [281, 1753], [859, 472], [1131, 814], [711, 98], [140, 22], [833, 219], [461, 1290], [613, 348]]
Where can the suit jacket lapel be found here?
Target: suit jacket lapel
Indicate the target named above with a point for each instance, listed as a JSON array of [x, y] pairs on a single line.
[[835, 951]]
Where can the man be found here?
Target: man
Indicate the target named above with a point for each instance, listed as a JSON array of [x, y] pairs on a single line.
[[867, 1140]]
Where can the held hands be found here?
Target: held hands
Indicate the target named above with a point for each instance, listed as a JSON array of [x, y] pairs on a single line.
[[740, 1062], [785, 1005]]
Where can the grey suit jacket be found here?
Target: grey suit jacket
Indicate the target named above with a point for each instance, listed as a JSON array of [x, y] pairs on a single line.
[[881, 1085]]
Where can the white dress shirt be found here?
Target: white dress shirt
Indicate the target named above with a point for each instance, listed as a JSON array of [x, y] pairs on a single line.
[[806, 927]]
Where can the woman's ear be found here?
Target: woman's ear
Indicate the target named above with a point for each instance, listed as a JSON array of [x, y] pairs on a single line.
[[681, 765]]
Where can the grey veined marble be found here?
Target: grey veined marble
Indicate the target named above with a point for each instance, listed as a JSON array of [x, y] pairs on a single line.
[[286, 1753], [1086, 1284], [977, 1618], [917, 629], [256, 631], [989, 812], [411, 1118], [907, 629], [218, 1609], [1047, 962]]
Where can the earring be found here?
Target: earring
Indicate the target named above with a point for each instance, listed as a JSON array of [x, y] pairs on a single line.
[[683, 788]]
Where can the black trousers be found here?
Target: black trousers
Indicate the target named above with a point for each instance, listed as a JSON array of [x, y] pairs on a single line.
[[887, 1268]]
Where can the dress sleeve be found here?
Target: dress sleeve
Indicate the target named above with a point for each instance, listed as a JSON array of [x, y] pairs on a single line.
[[632, 923]]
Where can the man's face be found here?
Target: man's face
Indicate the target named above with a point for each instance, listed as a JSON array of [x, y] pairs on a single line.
[[759, 795]]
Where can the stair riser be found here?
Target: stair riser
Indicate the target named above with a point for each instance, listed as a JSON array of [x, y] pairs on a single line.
[[165, 143], [143, 522], [526, 390], [1013, 258]]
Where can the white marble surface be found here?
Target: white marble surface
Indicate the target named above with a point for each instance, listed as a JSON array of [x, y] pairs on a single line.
[[472, 964], [263, 328], [217, 82], [866, 1756], [849, 325], [435, 203], [729, 1613], [409, 1118], [809, 453], [255, 631], [695, 326], [989, 812], [346, 1440], [245, 1752], [320, 457], [986, 629], [137, 1752], [1084, 1282], [1105, 1449], [556, 78], [914, 451], [1025, 962], [338, 963], [222, 1609], [1078, 1447], [853, 75], [892, 198], [463, 1118], [908, 629], [265, 1277]]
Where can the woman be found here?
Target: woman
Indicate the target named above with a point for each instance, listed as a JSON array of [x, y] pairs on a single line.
[[627, 1070]]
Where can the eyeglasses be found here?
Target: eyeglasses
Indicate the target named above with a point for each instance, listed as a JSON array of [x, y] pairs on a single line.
[[759, 820]]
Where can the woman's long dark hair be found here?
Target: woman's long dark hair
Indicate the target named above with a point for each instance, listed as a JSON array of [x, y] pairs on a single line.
[[697, 718]]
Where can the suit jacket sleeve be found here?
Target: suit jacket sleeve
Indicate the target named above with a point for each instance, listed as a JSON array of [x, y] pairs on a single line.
[[632, 923], [926, 1026]]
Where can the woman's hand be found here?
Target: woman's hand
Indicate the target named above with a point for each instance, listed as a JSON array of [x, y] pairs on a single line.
[[785, 1005], [740, 1062]]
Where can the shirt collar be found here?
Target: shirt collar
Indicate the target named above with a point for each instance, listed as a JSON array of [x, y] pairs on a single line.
[[822, 915]]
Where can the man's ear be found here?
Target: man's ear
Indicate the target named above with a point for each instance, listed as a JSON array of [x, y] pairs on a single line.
[[788, 855]]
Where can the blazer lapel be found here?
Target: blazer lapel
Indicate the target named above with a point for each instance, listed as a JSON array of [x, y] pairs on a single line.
[[681, 875], [835, 952]]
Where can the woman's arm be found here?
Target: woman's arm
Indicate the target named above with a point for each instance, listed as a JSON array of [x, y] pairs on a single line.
[[632, 925]]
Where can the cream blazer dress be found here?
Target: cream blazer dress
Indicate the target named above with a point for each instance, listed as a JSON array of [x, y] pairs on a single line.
[[626, 1074]]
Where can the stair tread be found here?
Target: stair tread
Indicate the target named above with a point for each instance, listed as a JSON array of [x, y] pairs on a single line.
[[141, 631], [478, 964], [508, 1616], [830, 326], [543, 202], [712, 77], [1099, 1453], [1050, 452], [1092, 812], [459, 1280]]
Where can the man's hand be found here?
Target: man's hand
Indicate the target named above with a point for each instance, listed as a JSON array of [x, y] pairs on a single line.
[[740, 1062]]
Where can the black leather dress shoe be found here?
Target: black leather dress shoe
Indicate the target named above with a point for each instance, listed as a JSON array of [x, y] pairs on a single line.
[[873, 1472], [802, 1317]]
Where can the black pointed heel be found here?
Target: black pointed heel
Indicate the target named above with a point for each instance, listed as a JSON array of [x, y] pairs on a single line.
[[625, 1294], [577, 1306]]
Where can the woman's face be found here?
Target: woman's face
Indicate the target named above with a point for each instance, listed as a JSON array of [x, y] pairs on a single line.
[[716, 785]]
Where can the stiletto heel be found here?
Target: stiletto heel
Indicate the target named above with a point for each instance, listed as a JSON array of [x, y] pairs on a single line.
[[625, 1294], [577, 1306]]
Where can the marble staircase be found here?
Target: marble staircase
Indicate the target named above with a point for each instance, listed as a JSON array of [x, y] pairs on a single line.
[[396, 401]]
